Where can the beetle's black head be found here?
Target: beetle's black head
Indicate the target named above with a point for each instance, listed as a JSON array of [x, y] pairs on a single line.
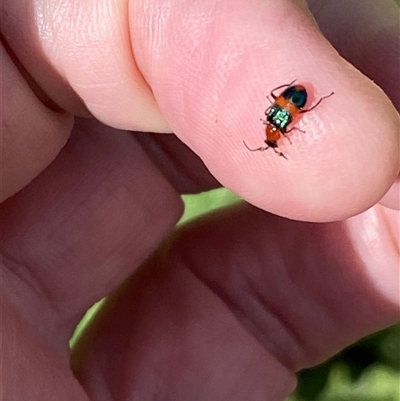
[[296, 94]]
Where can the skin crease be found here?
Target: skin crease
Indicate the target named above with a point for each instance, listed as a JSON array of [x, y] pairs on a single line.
[[229, 306]]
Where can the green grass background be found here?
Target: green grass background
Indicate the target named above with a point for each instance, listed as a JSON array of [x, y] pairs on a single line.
[[367, 371]]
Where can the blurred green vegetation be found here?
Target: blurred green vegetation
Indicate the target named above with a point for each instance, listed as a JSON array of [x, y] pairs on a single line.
[[367, 371]]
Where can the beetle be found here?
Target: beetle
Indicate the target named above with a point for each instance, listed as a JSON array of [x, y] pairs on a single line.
[[284, 108]]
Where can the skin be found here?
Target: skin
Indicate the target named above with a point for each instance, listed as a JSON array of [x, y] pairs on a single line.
[[229, 306]]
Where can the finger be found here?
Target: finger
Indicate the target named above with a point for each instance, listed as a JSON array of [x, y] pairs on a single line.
[[33, 365], [227, 96], [82, 226], [87, 45], [19, 34], [376, 38], [392, 197], [269, 297], [31, 135], [339, 167]]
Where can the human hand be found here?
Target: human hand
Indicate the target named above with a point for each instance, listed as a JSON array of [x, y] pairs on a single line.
[[232, 305]]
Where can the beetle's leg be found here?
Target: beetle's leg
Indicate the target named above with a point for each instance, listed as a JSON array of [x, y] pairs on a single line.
[[287, 137], [316, 104], [279, 153], [285, 133], [279, 87], [294, 128], [261, 148]]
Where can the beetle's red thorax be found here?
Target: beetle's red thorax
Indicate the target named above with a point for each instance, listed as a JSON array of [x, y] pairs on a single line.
[[272, 133]]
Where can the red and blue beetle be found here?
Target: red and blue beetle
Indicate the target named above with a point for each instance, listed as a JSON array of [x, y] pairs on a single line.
[[281, 113]]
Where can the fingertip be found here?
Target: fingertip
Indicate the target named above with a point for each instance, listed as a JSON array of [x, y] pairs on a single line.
[[344, 162], [391, 199], [214, 96]]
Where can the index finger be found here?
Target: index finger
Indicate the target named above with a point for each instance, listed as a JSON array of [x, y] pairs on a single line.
[[211, 77]]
